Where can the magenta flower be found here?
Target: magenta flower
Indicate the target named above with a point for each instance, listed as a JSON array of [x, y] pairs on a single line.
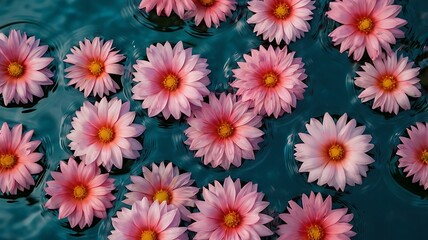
[[164, 184], [366, 25], [80, 192], [17, 159], [334, 153], [315, 220], [172, 81], [148, 221], [167, 6], [282, 20], [413, 152], [212, 12], [23, 69], [104, 133], [231, 212], [224, 131], [92, 65], [272, 80], [389, 81]]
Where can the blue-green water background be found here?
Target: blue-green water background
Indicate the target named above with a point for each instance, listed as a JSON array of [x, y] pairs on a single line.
[[386, 205]]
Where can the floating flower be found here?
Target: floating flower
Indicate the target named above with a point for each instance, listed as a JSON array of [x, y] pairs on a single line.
[[366, 25], [167, 6], [281, 19], [413, 152], [164, 184], [231, 212], [315, 220], [104, 133], [224, 131], [272, 79], [23, 69], [389, 81], [17, 159], [80, 192], [148, 221], [173, 81], [334, 153], [212, 11], [92, 65]]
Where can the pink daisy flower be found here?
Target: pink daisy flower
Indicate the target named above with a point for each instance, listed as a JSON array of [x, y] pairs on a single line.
[[224, 131], [212, 12], [413, 152], [172, 81], [231, 212], [92, 65], [104, 133], [271, 79], [148, 221], [80, 192], [167, 6], [285, 20], [334, 153], [315, 220], [164, 184], [23, 69], [366, 25], [389, 81], [17, 159]]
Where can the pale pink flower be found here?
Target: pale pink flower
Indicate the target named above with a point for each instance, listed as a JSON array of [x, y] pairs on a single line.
[[167, 6], [315, 220], [92, 65], [80, 192], [272, 80], [148, 221], [17, 159], [231, 212], [413, 152], [212, 12], [164, 184], [172, 81], [224, 131], [334, 153], [282, 20], [104, 133], [366, 25], [389, 81], [23, 69]]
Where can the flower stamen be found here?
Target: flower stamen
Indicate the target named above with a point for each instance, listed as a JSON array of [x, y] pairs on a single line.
[[15, 70], [207, 3], [281, 11], [315, 232], [148, 235], [106, 134], [96, 68], [232, 219], [388, 83], [424, 156], [270, 79], [225, 130], [80, 192], [7, 161], [365, 25], [162, 195], [336, 152], [171, 82]]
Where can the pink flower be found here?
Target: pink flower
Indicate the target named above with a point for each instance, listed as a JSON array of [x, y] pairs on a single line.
[[271, 79], [315, 220], [23, 69], [366, 25], [167, 6], [92, 65], [334, 153], [413, 152], [389, 81], [80, 192], [164, 184], [148, 221], [281, 19], [104, 133], [224, 131], [17, 159], [212, 11], [231, 212], [172, 81]]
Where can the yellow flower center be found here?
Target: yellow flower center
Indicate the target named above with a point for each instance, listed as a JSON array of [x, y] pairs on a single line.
[[270, 79], [365, 25], [7, 161], [162, 195], [170, 82], [106, 134], [224, 130], [207, 3], [148, 235], [424, 156], [281, 10], [96, 68], [80, 192], [315, 232], [336, 152], [388, 83], [15, 70], [232, 219]]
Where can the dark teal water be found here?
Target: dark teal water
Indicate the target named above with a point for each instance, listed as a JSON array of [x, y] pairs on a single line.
[[386, 205]]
